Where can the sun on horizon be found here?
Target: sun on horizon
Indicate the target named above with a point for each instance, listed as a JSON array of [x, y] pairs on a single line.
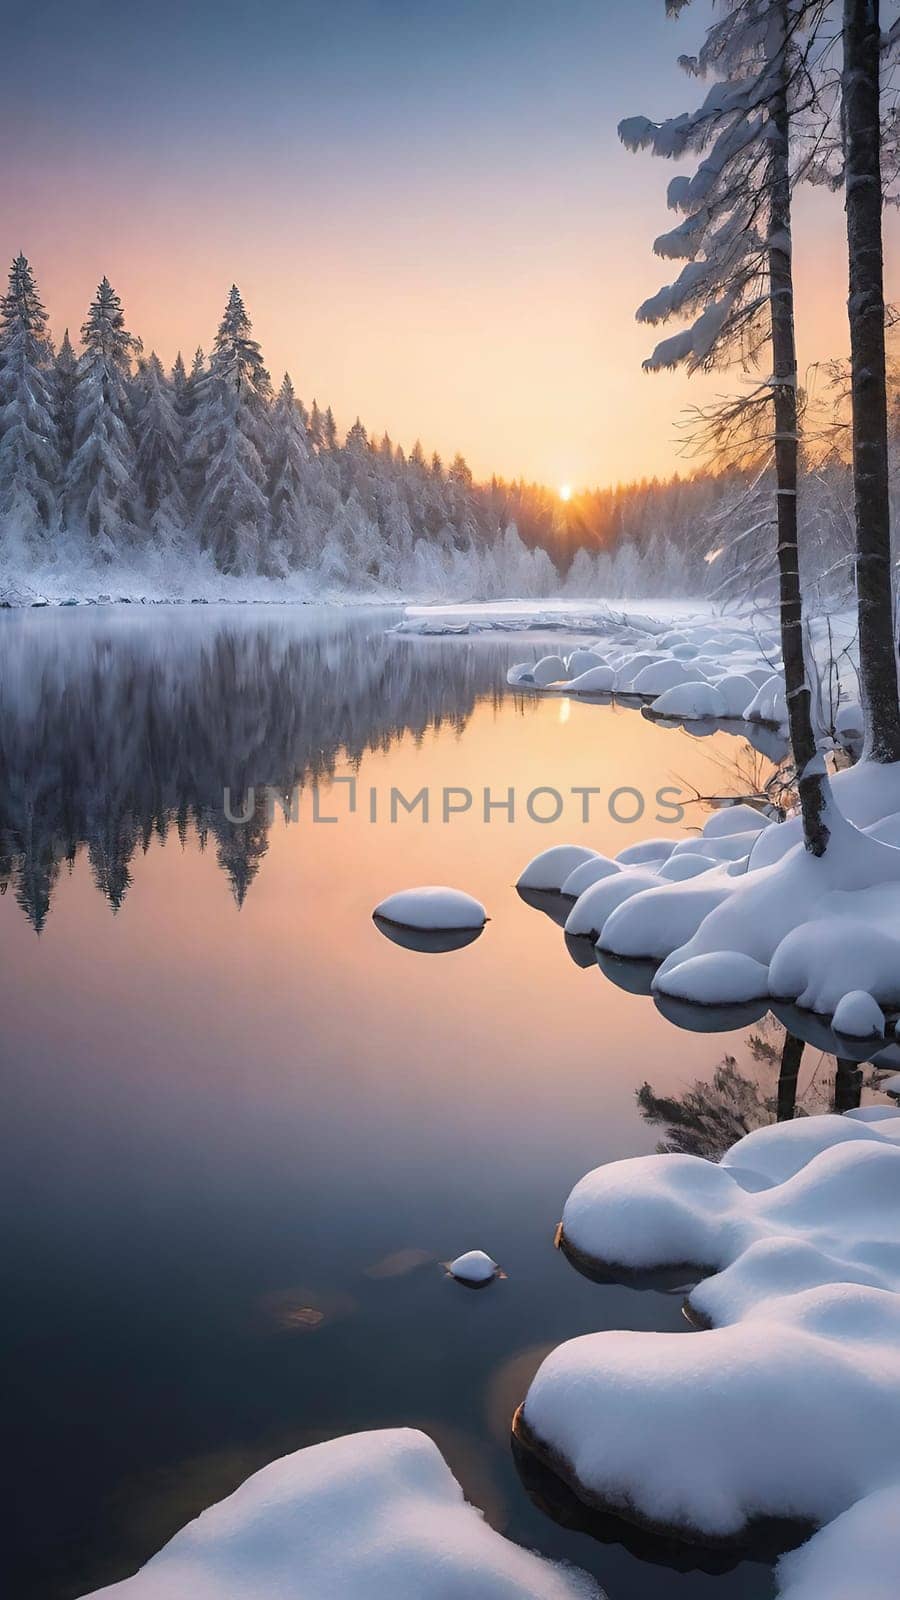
[[565, 491]]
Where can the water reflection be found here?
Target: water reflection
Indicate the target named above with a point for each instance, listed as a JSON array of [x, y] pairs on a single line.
[[113, 734]]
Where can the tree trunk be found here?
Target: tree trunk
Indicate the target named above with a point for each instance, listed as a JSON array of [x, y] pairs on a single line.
[[789, 1072], [862, 168], [812, 785]]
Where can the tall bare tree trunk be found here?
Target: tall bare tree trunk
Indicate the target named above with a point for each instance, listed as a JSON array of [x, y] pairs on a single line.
[[810, 782], [863, 200]]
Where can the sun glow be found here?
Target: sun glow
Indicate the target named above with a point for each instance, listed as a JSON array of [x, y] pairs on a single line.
[[565, 492]]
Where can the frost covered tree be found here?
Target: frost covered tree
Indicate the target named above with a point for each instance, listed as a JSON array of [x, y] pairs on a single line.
[[100, 497], [737, 281], [65, 381], [159, 431], [233, 435], [29, 446], [864, 199], [289, 471]]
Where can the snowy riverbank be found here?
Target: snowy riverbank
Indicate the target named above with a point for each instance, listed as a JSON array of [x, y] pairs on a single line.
[[787, 1405]]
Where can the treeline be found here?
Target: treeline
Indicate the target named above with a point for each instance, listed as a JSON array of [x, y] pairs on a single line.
[[116, 471]]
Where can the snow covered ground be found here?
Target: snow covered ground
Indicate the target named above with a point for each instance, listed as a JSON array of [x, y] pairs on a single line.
[[787, 1404], [371, 1516]]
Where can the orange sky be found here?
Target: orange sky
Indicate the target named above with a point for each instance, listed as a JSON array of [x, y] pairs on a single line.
[[434, 227]]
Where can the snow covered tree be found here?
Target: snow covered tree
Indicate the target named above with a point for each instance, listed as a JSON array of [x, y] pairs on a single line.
[[315, 426], [737, 282], [233, 432], [29, 446], [100, 497], [290, 465], [863, 192], [65, 382], [329, 430], [159, 431]]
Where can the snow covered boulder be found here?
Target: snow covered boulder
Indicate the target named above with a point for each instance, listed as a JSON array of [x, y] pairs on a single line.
[[587, 873], [662, 675], [636, 855], [738, 693], [475, 1267], [590, 911], [679, 868], [432, 909], [849, 723], [723, 978], [550, 669], [582, 661], [856, 1556], [372, 1516], [787, 1405], [549, 870], [734, 819], [691, 702], [858, 1016], [768, 704], [596, 680], [651, 925]]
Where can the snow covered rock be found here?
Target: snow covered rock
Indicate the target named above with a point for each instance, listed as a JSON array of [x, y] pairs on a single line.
[[662, 675], [788, 1404], [738, 693], [849, 722], [371, 1516], [551, 868], [582, 661], [550, 669], [768, 704], [590, 911], [473, 1267], [652, 924], [858, 1016], [587, 873], [596, 680], [856, 1557], [690, 702], [636, 855], [734, 819], [432, 909], [722, 978]]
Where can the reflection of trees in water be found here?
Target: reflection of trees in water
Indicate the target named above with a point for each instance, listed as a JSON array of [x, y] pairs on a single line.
[[712, 1114], [115, 729]]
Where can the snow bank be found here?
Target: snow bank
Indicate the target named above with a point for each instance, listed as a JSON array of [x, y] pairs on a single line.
[[373, 1516], [788, 1404], [432, 909], [745, 905]]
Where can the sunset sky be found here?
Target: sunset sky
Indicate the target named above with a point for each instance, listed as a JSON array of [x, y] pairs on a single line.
[[426, 206]]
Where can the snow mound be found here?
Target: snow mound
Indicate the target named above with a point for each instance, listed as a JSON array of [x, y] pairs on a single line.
[[591, 909], [788, 1404], [737, 691], [587, 873], [691, 702], [856, 1556], [596, 680], [721, 978], [768, 704], [551, 868], [372, 1516], [858, 1016], [734, 819], [550, 669], [635, 855], [662, 675], [473, 1267], [432, 909]]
